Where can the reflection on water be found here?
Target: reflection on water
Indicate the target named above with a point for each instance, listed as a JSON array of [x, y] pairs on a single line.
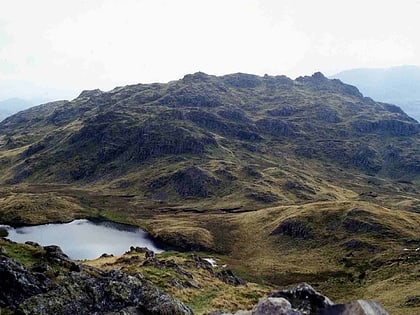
[[85, 239]]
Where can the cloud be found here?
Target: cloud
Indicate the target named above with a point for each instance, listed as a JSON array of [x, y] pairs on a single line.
[[104, 43]]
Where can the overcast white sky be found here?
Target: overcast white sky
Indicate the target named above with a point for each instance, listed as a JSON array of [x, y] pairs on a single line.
[[86, 44]]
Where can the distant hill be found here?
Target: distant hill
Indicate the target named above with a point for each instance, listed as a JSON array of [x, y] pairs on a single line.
[[17, 95], [13, 105], [396, 85]]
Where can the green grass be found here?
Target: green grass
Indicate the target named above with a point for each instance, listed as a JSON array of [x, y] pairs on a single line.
[[26, 254], [201, 301]]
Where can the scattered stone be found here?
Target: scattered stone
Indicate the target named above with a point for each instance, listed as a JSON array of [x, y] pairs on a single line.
[[228, 277], [412, 301], [193, 284], [176, 283]]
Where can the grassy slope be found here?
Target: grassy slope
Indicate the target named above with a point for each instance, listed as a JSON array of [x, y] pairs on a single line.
[[379, 269]]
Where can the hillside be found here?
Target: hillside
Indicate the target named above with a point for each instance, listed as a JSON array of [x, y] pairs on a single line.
[[396, 85], [223, 133], [285, 180]]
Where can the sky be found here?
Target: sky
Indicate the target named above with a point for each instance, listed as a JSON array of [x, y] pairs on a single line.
[[74, 45]]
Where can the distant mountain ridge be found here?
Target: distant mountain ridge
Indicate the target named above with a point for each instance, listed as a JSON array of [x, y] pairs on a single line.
[[13, 105], [17, 95], [397, 85]]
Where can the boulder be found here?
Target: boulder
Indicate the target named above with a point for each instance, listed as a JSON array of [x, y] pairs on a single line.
[[17, 283], [272, 305], [228, 277], [359, 307], [304, 298], [3, 232]]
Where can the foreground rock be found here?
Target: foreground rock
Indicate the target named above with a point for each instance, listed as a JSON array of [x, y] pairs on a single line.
[[60, 286], [304, 300], [359, 307]]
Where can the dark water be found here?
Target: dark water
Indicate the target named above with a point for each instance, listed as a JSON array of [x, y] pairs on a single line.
[[84, 239]]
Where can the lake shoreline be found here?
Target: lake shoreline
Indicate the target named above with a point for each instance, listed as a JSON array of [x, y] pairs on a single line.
[[86, 238]]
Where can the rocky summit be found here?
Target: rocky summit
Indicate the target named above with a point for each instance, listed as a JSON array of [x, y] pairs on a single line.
[[280, 181]]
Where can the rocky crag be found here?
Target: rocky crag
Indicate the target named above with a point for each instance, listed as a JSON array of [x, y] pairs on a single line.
[[58, 285]]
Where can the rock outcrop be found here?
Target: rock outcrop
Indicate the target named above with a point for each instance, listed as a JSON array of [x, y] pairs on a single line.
[[61, 286]]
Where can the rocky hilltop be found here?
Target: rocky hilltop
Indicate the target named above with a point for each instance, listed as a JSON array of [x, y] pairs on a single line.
[[210, 136]]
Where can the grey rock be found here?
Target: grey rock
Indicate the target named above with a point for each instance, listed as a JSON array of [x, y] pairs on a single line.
[[359, 307], [272, 305], [17, 283], [293, 228], [229, 277], [304, 298], [79, 289]]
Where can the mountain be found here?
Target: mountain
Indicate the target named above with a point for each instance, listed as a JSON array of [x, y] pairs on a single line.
[[222, 132], [397, 85], [16, 95], [284, 180], [13, 105]]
